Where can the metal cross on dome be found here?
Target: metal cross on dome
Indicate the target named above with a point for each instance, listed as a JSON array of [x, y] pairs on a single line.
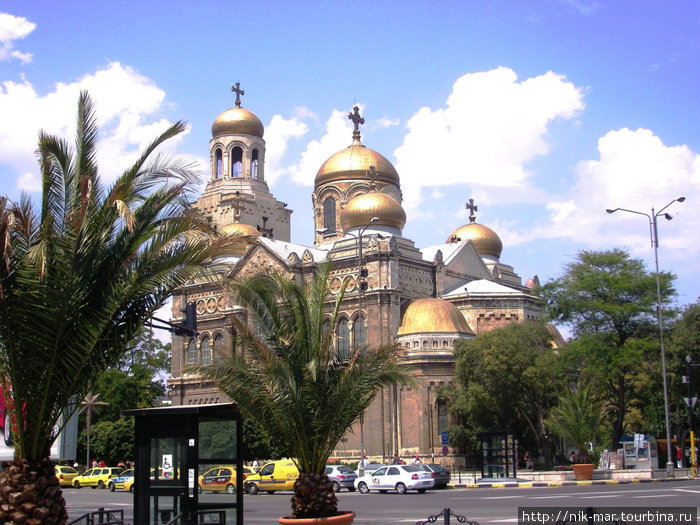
[[236, 88], [354, 115], [472, 208]]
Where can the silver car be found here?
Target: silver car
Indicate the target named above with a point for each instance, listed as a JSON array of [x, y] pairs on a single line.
[[342, 477]]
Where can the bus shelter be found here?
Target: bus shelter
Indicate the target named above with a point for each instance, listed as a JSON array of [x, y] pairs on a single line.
[[174, 446], [498, 454]]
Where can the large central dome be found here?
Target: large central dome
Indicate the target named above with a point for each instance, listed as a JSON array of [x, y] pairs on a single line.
[[433, 315], [353, 163]]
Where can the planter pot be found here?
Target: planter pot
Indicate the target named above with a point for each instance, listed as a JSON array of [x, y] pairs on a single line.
[[343, 517], [583, 471]]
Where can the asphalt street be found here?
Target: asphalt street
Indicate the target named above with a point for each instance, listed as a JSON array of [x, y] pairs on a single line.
[[480, 505]]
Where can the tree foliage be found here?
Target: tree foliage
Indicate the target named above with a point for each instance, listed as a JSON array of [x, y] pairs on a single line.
[[608, 299], [507, 378], [293, 381]]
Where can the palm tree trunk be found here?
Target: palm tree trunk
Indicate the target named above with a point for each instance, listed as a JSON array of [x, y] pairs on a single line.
[[30, 494], [313, 497]]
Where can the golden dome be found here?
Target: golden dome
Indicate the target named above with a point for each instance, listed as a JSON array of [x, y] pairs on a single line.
[[237, 121], [361, 209], [485, 240], [432, 314], [353, 163], [241, 236]]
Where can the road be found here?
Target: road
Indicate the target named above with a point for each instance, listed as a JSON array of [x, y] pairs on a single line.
[[481, 505]]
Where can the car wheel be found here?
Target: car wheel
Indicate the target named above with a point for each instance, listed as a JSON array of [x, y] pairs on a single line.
[[230, 488], [76, 484], [100, 484], [252, 489], [336, 486], [111, 487], [421, 491], [364, 489], [131, 489], [401, 488], [270, 491], [7, 429]]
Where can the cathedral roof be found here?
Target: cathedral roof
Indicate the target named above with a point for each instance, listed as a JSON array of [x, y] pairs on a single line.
[[430, 315], [482, 287], [237, 121], [361, 209], [241, 236]]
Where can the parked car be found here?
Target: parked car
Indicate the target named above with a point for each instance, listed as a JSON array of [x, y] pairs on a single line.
[[97, 477], [273, 476], [441, 475], [221, 478], [342, 476], [129, 484], [118, 482], [396, 477], [65, 475]]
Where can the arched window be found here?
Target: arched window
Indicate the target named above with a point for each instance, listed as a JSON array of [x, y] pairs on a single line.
[[206, 352], [237, 162], [359, 335], [442, 415], [343, 336], [329, 214], [218, 348], [326, 327], [192, 353], [254, 164], [219, 164]]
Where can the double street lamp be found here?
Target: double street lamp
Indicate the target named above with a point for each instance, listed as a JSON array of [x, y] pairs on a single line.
[[361, 286], [653, 232]]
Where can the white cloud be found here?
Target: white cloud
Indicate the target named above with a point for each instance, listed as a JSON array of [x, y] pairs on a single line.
[[277, 136], [125, 103], [14, 28], [490, 128], [636, 171], [386, 122]]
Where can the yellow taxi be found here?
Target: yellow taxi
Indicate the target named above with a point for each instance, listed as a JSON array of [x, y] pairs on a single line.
[[221, 478], [129, 484], [273, 476], [97, 477], [65, 475]]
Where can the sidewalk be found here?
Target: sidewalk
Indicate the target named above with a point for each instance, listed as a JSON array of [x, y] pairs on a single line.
[[530, 479]]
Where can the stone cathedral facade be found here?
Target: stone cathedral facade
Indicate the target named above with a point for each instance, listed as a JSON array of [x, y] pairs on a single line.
[[423, 298]]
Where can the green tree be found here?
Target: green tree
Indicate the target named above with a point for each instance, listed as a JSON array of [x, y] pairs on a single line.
[[293, 382], [78, 278], [608, 299], [505, 378], [111, 441]]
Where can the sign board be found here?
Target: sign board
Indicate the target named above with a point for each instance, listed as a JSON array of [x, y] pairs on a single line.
[[444, 450], [167, 465], [443, 436]]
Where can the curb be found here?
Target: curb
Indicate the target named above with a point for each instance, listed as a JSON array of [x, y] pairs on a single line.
[[571, 483]]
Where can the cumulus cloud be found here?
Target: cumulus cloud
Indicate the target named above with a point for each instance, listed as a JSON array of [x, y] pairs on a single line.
[[636, 171], [386, 122], [14, 28], [491, 127], [126, 104], [277, 136]]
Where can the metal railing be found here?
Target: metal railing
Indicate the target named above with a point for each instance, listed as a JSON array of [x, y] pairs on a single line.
[[101, 516], [446, 513]]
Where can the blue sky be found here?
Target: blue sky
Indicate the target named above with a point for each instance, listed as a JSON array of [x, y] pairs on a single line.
[[545, 112]]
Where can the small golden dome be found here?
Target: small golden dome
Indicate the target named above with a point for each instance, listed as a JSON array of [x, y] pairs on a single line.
[[237, 121], [361, 209], [241, 235], [485, 240], [353, 163], [430, 315]]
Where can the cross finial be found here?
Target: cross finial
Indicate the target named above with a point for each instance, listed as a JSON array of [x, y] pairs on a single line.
[[236, 88], [472, 208], [354, 115], [372, 175]]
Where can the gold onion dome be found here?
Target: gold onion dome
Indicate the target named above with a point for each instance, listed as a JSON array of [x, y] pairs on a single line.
[[237, 121], [361, 209], [353, 163], [485, 240], [430, 315], [241, 236]]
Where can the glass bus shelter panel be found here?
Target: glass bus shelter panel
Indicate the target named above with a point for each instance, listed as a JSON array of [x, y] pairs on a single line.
[[168, 479], [218, 441]]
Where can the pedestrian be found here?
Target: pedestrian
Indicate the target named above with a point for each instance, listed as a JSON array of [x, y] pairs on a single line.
[[102, 464], [416, 460], [396, 460], [529, 464], [679, 456], [255, 463], [572, 457]]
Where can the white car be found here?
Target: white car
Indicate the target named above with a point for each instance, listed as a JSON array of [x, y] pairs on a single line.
[[400, 478]]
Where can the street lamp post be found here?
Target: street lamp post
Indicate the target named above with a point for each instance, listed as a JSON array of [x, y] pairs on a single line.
[[690, 400], [360, 290], [653, 232]]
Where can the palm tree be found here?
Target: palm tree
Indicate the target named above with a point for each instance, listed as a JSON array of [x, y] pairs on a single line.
[[292, 381], [78, 278]]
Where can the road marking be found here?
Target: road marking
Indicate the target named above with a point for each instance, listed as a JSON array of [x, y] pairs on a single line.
[[688, 490], [497, 497], [657, 496], [603, 496]]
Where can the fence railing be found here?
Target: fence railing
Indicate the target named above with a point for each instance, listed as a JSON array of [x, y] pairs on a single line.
[[101, 516], [446, 513]]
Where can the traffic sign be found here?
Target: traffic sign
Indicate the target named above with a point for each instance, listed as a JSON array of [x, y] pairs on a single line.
[[444, 450], [443, 435]]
